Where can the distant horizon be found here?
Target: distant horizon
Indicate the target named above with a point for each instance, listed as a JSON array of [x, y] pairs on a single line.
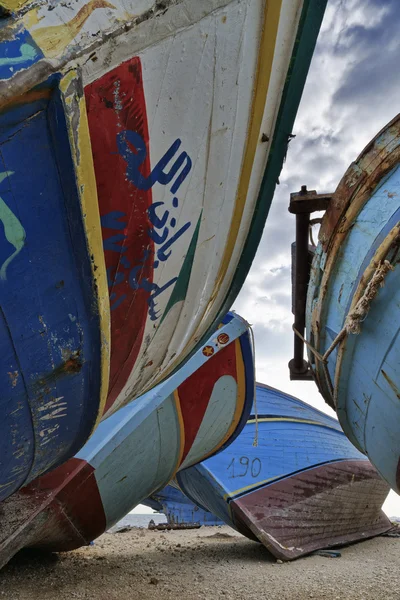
[[389, 507]]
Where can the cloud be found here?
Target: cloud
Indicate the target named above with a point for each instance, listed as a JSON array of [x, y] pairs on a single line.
[[350, 94]]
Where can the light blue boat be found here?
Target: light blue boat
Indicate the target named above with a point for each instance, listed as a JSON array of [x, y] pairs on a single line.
[[291, 480], [122, 243], [178, 509], [137, 450], [353, 303]]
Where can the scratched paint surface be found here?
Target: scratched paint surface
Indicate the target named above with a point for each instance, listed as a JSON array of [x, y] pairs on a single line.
[[49, 340], [292, 438], [118, 124], [20, 53], [162, 220], [368, 383], [289, 440], [172, 165], [132, 453], [206, 80]]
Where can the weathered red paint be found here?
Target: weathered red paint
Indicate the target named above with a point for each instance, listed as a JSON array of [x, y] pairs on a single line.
[[195, 392], [116, 103], [76, 503], [332, 504], [359, 182], [72, 504], [59, 511]]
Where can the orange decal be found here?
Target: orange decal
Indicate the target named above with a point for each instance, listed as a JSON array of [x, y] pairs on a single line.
[[208, 350], [223, 338]]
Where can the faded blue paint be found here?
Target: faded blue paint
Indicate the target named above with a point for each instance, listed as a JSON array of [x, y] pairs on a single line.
[[17, 53], [140, 461], [369, 386], [179, 509], [49, 327], [284, 447], [361, 242]]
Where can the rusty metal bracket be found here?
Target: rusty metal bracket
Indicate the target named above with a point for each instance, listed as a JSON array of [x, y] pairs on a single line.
[[308, 201], [302, 204]]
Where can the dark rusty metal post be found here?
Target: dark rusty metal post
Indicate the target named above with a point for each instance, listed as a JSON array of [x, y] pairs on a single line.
[[299, 366], [302, 204]]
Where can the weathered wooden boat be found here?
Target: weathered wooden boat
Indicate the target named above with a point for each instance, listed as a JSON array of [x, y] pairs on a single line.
[[291, 480], [169, 121], [352, 314], [178, 509], [137, 450]]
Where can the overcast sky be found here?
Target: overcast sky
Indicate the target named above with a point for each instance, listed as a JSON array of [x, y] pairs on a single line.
[[352, 91]]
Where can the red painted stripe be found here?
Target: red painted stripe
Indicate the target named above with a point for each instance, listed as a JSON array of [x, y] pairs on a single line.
[[71, 501], [115, 104], [195, 392]]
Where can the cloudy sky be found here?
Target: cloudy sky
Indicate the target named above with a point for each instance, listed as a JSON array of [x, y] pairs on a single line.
[[352, 91]]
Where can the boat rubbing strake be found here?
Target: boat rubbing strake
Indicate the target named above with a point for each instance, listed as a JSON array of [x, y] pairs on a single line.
[[352, 314], [140, 147], [291, 480], [137, 450]]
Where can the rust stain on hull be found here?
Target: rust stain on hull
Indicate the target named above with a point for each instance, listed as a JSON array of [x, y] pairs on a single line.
[[391, 383]]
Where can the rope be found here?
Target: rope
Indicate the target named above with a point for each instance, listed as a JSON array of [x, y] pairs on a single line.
[[352, 323], [359, 313], [255, 441], [319, 357], [307, 343]]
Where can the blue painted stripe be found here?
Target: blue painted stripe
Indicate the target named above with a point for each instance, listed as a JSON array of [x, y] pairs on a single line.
[[50, 350], [17, 52]]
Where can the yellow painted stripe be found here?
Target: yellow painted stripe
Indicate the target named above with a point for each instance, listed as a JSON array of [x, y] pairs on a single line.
[[241, 397], [86, 183], [290, 420], [253, 485], [13, 5], [53, 40], [181, 429], [263, 75]]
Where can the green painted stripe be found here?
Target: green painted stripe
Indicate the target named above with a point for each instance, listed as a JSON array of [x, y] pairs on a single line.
[[307, 34], [181, 287]]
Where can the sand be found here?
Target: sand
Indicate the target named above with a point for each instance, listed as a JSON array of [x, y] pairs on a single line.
[[211, 562]]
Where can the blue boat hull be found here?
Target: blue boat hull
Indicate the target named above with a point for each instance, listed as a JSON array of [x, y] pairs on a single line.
[[291, 480], [122, 242], [178, 509], [138, 450], [52, 377], [354, 291]]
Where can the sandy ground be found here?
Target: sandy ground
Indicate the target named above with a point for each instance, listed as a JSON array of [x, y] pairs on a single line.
[[211, 562]]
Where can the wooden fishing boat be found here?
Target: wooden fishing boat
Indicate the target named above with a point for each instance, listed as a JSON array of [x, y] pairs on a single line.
[[353, 300], [291, 480], [137, 450], [137, 140], [178, 509]]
